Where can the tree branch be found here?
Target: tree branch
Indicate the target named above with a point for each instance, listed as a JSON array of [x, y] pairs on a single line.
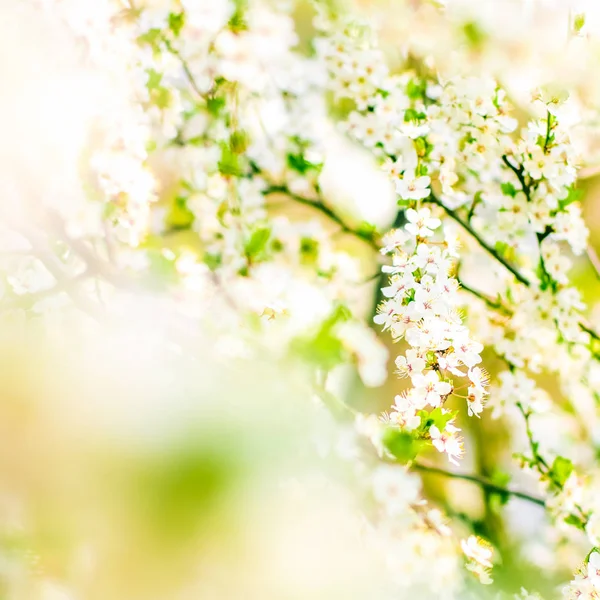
[[518, 171], [540, 463], [366, 236], [489, 249], [488, 301], [481, 481], [492, 252]]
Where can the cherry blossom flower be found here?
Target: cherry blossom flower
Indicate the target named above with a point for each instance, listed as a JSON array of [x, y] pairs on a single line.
[[447, 441], [421, 223]]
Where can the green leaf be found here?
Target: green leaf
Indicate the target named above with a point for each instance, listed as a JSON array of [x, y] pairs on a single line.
[[422, 170], [578, 22], [474, 34], [508, 189], [212, 261], [401, 444], [561, 469], [441, 417], [176, 22], [500, 478], [367, 229], [309, 250], [415, 89], [575, 521], [502, 248], [410, 114], [180, 216], [422, 147], [152, 38], [154, 79], [299, 163], [238, 21], [161, 97], [257, 242], [325, 348], [239, 142], [229, 163], [438, 417], [214, 105]]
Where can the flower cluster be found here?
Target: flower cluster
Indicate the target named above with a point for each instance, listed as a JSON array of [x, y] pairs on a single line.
[[421, 307]]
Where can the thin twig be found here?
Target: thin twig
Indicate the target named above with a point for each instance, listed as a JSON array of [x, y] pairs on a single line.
[[487, 247], [479, 480], [518, 171], [540, 463], [367, 236], [588, 329], [492, 252], [185, 66], [548, 130], [488, 301]]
